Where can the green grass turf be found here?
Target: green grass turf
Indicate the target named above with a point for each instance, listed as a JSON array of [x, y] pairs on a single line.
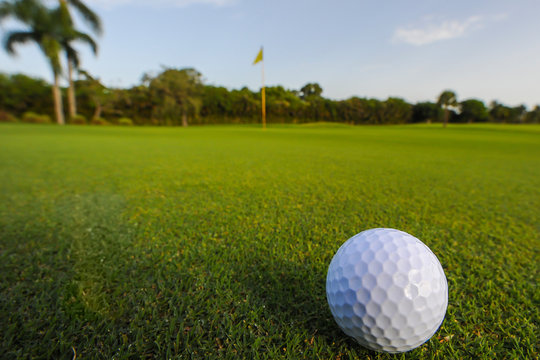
[[214, 242]]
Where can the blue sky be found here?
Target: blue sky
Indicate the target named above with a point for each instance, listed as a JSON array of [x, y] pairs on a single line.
[[411, 49]]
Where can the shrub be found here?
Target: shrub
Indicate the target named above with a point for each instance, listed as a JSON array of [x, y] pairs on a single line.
[[78, 120], [7, 117], [99, 121], [125, 121], [33, 118]]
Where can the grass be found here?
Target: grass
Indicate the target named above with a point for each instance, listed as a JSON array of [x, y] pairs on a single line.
[[214, 242]]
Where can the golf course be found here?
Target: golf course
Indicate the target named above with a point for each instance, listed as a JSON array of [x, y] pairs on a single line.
[[213, 242]]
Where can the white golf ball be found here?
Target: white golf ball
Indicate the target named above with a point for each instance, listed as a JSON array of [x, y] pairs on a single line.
[[387, 290]]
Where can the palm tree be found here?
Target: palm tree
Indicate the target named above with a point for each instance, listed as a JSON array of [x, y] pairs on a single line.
[[447, 99], [98, 92], [43, 30], [71, 35]]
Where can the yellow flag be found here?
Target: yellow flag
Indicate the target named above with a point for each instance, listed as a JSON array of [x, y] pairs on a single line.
[[259, 57]]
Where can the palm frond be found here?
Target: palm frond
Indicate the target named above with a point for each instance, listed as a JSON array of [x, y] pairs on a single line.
[[90, 17], [80, 36], [18, 37], [86, 74], [6, 9], [63, 17], [72, 55], [26, 11]]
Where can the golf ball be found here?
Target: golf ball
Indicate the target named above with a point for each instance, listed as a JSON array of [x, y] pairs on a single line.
[[387, 290]]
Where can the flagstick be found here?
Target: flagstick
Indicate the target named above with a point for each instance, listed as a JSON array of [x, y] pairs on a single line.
[[263, 95]]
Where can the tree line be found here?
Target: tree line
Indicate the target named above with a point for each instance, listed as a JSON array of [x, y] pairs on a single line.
[[175, 97], [179, 96]]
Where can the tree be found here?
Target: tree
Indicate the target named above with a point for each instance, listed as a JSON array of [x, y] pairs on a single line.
[[518, 114], [176, 92], [310, 90], [426, 112], [473, 110], [375, 111], [283, 105], [351, 110], [499, 112], [94, 90], [533, 116], [396, 111], [70, 35], [216, 103], [20, 93], [504, 114], [447, 99], [43, 29]]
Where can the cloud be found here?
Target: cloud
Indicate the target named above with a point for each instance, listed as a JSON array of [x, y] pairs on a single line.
[[432, 32], [159, 3]]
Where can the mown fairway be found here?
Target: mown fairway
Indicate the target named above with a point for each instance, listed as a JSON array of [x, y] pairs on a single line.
[[214, 242]]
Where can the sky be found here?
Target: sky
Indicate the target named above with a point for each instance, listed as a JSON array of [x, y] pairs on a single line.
[[414, 49]]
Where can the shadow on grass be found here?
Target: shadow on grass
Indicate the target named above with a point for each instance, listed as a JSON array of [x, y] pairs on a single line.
[[292, 296], [293, 293]]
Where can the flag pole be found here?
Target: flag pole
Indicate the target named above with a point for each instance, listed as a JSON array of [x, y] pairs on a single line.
[[260, 59], [263, 95]]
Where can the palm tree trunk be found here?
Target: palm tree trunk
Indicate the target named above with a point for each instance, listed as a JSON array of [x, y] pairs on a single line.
[[184, 119], [71, 92], [446, 113], [98, 109], [58, 108]]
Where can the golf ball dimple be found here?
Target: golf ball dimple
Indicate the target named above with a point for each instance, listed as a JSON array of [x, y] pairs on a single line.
[[387, 290]]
